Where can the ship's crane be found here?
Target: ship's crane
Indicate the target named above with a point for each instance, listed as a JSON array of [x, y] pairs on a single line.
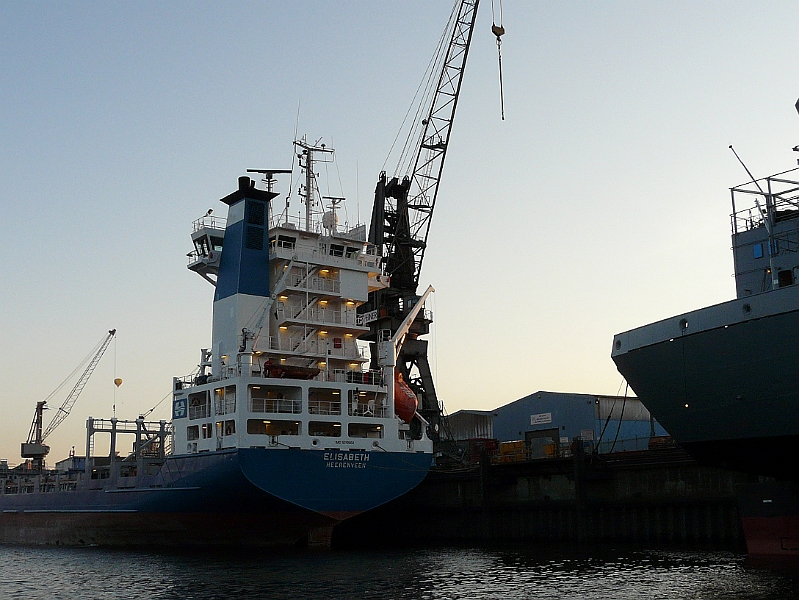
[[35, 448], [402, 213]]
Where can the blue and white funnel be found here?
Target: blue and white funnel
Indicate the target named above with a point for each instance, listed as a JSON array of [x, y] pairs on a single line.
[[242, 283]]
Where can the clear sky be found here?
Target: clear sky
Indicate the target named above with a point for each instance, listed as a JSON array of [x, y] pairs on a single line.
[[600, 204]]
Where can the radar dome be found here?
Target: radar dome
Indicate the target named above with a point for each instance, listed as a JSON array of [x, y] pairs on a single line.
[[329, 220]]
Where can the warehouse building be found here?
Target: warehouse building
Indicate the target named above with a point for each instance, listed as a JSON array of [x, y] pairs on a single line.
[[549, 422]]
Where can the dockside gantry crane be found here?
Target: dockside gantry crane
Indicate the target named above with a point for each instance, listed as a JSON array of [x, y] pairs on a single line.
[[35, 448], [401, 217]]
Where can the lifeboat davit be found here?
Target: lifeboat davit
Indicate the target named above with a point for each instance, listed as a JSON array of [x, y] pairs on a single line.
[[405, 402]]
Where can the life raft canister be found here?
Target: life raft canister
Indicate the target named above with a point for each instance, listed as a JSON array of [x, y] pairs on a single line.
[[405, 402]]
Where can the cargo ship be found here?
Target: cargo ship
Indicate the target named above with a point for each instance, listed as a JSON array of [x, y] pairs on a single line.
[[281, 432], [720, 379]]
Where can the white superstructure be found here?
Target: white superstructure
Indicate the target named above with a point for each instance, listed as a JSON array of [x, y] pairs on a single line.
[[285, 369]]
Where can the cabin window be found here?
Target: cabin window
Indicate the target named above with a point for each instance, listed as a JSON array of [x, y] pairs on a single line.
[[367, 404], [285, 241], [324, 429], [365, 430], [216, 242], [193, 432], [275, 399], [785, 278], [199, 405], [208, 430], [324, 401], [230, 428], [352, 252], [272, 427], [336, 250], [225, 400]]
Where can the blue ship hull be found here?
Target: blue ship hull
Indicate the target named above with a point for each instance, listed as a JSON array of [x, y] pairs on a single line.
[[250, 496]]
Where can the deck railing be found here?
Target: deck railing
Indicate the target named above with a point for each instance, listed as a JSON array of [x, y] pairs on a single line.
[[275, 405]]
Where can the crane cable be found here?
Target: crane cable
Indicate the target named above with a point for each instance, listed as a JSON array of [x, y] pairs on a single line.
[[499, 31], [419, 102]]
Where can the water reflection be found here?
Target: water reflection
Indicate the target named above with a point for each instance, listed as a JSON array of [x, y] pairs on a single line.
[[508, 572]]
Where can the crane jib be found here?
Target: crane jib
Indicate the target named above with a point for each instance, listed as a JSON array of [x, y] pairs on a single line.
[[35, 448], [402, 213]]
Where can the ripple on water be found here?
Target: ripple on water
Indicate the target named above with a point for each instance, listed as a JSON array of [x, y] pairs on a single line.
[[452, 573]]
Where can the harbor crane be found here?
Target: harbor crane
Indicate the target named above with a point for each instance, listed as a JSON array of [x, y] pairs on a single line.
[[35, 448], [401, 217]]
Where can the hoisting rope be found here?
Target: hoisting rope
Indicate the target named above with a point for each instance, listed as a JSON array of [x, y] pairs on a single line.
[[420, 102], [499, 31]]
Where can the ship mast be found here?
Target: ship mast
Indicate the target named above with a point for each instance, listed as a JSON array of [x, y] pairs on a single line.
[[307, 155]]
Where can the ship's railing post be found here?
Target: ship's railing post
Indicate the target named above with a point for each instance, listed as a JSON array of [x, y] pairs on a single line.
[[162, 439], [113, 448], [138, 437], [89, 433]]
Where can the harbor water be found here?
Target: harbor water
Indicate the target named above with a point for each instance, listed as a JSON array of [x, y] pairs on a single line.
[[427, 573]]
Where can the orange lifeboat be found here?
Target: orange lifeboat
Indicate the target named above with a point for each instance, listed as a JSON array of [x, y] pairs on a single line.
[[405, 402]]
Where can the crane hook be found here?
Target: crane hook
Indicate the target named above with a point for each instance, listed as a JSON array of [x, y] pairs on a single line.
[[499, 30]]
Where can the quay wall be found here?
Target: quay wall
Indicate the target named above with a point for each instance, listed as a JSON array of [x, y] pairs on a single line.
[[651, 496]]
